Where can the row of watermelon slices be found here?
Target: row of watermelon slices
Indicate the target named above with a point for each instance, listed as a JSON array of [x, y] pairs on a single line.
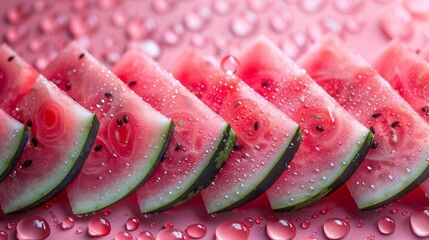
[[303, 136]]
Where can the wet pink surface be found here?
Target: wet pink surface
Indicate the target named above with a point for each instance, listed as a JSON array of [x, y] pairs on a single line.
[[38, 29]]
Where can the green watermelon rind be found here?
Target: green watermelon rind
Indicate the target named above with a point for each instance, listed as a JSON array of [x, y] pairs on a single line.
[[206, 172], [18, 143], [134, 186], [84, 147], [354, 160], [277, 168]]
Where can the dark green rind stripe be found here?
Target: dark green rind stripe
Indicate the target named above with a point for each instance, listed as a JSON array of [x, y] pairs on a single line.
[[89, 142], [272, 176], [23, 141], [347, 173], [217, 160]]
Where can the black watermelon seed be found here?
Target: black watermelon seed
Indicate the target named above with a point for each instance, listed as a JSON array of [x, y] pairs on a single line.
[[372, 129], [81, 55], [35, 142], [265, 84], [256, 126], [374, 145], [237, 147], [425, 110], [108, 94], [163, 157], [98, 148], [119, 121], [27, 163], [394, 124], [29, 123], [376, 115], [125, 118], [10, 59], [68, 85], [178, 147], [132, 83], [320, 128]]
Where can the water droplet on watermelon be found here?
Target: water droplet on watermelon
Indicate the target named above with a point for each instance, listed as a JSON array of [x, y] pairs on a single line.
[[418, 8], [305, 224], [232, 230], [280, 229], [10, 225], [54, 22], [3, 235], [311, 6], [108, 4], [360, 224], [14, 34], [68, 223], [140, 28], [244, 23], [229, 65], [84, 24], [398, 23], [19, 12], [196, 231], [173, 34], [386, 225], [163, 6], [420, 222], [32, 227], [348, 6], [123, 236], [132, 224], [336, 228], [98, 227], [145, 235]]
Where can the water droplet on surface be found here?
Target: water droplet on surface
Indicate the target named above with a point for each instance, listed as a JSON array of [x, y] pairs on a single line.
[[325, 209], [84, 24], [325, 25], [80, 5], [196, 231], [232, 230], [3, 235], [41, 5], [79, 230], [148, 46], [386, 225], [394, 210], [54, 22], [15, 34], [348, 6], [123, 236], [98, 227], [305, 224], [222, 7], [248, 222], [419, 221], [258, 220], [145, 235], [171, 234], [132, 224], [168, 225], [32, 228], [280, 21], [336, 228], [68, 223], [43, 60], [19, 12], [140, 28], [107, 211], [258, 5], [243, 24], [354, 23], [108, 4], [311, 6], [229, 65], [173, 34], [163, 6], [398, 23], [360, 224], [280, 229], [294, 45]]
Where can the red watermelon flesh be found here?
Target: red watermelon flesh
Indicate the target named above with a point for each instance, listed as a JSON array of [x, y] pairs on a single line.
[[266, 138], [408, 74], [334, 142], [13, 137], [132, 138], [196, 151], [398, 161], [61, 135]]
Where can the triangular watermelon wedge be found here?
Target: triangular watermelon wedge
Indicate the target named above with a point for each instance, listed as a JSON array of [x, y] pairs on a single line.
[[197, 150], [267, 139], [334, 142], [132, 138], [61, 131], [398, 161], [408, 74]]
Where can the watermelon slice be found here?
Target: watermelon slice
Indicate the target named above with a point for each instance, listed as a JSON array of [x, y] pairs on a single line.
[[61, 131], [398, 161], [197, 150], [266, 138], [408, 74], [13, 137], [334, 142], [132, 139]]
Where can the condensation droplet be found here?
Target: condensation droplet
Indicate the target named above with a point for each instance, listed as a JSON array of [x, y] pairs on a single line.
[[15, 34], [54, 22], [311, 6], [243, 24], [98, 227], [305, 223], [354, 23], [172, 234], [232, 230], [3, 235], [258, 5], [123, 236], [280, 229], [173, 34], [163, 6], [33, 227], [19, 12], [84, 24], [222, 7], [229, 65], [109, 4], [348, 6], [386, 225], [397, 23], [196, 231], [145, 235], [280, 21], [67, 223], [419, 221], [148, 46], [140, 28], [336, 228], [132, 224]]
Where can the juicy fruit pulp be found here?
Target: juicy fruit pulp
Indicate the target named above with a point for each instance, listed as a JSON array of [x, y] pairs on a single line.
[[196, 151], [132, 137], [398, 161], [266, 138], [408, 74], [334, 142], [13, 137], [61, 135]]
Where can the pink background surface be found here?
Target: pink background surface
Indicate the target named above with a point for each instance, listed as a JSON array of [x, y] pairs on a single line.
[[107, 42]]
